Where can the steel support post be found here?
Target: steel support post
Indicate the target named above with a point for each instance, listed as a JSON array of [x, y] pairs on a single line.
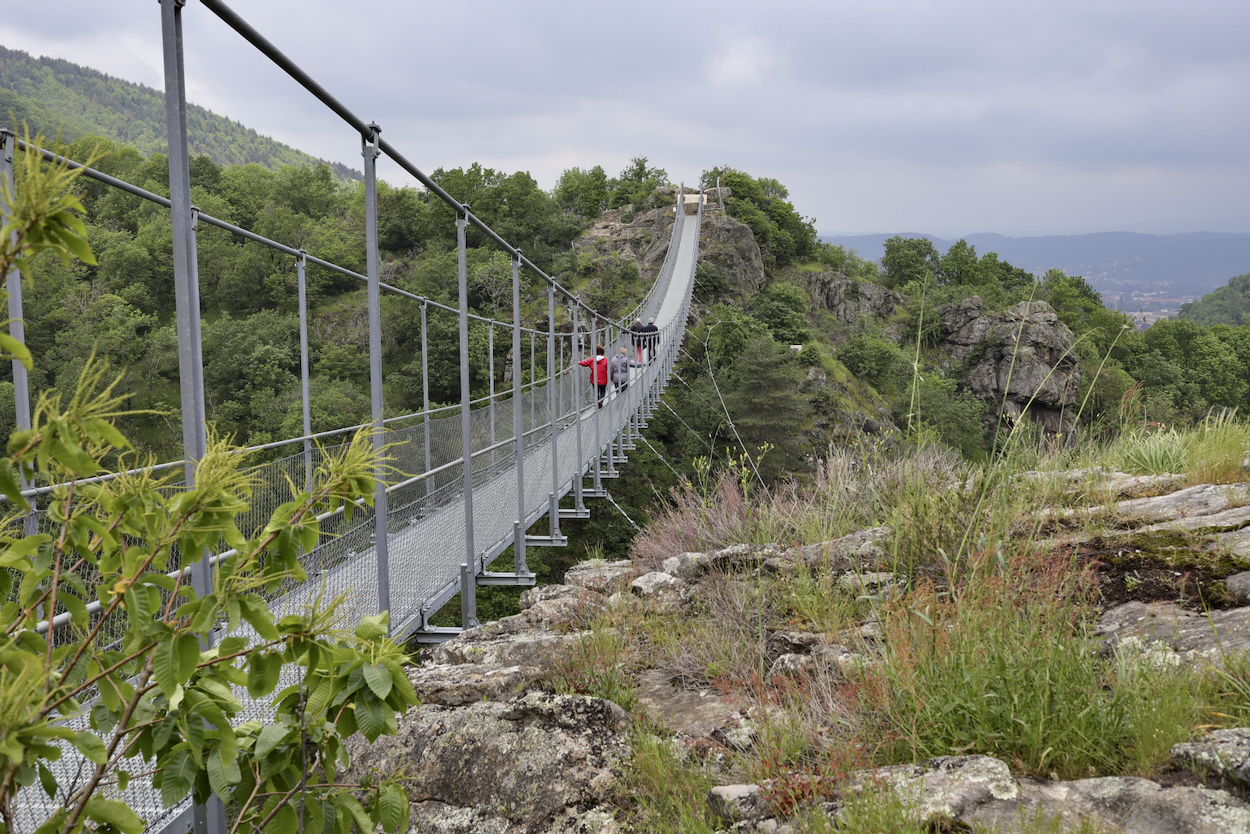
[[300, 265], [575, 357], [209, 818], [369, 150], [468, 601], [490, 370], [425, 396], [598, 412], [468, 596], [533, 383], [551, 404], [518, 423], [17, 327]]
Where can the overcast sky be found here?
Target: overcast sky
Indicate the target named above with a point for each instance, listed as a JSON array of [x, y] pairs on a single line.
[[951, 118]]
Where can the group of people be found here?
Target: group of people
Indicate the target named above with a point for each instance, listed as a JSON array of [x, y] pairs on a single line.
[[616, 370], [645, 337]]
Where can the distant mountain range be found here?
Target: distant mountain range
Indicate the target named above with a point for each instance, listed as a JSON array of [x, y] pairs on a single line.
[[52, 94], [1115, 263]]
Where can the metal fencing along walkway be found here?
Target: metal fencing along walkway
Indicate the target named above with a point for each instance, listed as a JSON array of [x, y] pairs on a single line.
[[482, 471]]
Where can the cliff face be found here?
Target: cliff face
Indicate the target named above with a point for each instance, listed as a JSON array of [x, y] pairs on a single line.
[[728, 248], [642, 238], [1020, 360], [848, 299]]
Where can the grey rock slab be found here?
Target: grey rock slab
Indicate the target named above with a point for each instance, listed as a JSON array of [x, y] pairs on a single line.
[[735, 802], [1234, 516], [604, 577], [731, 559], [1239, 586], [1207, 634], [492, 646], [1201, 500], [944, 788], [534, 756], [790, 664], [465, 683], [1223, 752], [863, 549], [1128, 804], [656, 583], [868, 582], [695, 713]]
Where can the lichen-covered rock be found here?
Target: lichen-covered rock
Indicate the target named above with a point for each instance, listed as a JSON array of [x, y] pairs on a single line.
[[850, 299], [1223, 752], [728, 249], [527, 760], [1196, 635], [662, 590], [862, 550], [735, 802], [1021, 359], [1190, 503], [695, 713], [510, 641], [730, 559], [604, 577], [1116, 804], [467, 683], [1239, 586], [944, 789]]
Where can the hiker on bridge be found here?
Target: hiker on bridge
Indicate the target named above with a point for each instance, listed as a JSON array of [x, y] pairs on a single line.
[[598, 365], [618, 370], [651, 337], [637, 334]]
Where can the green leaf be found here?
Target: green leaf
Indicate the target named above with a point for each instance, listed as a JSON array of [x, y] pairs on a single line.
[[114, 812], [165, 663], [373, 628], [270, 737], [256, 612], [220, 776], [206, 617], [379, 680], [286, 821], [370, 717], [356, 811], [392, 808], [188, 646], [47, 780], [90, 745], [263, 672], [10, 486]]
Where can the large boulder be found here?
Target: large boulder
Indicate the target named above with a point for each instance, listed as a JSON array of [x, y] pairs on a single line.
[[540, 763], [729, 249], [1020, 359], [850, 300]]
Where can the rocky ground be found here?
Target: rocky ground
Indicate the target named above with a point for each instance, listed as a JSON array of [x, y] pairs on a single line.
[[493, 750]]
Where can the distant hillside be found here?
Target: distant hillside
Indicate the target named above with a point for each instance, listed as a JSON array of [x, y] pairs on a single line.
[[1230, 304], [1113, 262], [49, 93]]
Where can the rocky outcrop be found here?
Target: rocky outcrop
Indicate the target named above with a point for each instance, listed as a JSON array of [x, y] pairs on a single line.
[[493, 749], [1020, 360], [850, 300], [642, 238], [730, 256]]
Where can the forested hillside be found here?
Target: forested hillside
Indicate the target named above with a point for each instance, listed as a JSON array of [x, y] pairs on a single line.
[[1230, 304], [50, 94]]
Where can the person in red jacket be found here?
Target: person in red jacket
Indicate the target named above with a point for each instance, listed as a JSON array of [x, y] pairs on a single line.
[[598, 365]]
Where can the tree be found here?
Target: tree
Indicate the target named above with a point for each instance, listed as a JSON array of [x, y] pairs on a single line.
[[908, 259], [137, 670]]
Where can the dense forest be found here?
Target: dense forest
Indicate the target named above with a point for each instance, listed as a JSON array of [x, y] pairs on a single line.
[[1230, 304], [51, 94]]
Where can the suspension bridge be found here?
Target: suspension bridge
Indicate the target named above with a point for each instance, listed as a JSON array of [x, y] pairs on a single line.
[[480, 473]]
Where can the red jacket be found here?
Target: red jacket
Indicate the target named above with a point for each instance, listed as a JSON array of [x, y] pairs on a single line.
[[599, 373]]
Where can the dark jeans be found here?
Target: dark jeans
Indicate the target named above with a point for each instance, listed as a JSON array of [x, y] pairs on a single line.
[[603, 393]]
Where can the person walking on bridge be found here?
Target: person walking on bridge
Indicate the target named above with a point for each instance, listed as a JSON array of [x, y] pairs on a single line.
[[637, 335], [598, 365], [618, 370], [650, 338]]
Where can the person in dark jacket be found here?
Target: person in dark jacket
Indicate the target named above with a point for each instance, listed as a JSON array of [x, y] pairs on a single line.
[[637, 333], [598, 365], [618, 370], [651, 338]]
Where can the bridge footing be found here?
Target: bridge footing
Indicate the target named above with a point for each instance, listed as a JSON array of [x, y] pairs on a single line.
[[493, 578], [431, 635]]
